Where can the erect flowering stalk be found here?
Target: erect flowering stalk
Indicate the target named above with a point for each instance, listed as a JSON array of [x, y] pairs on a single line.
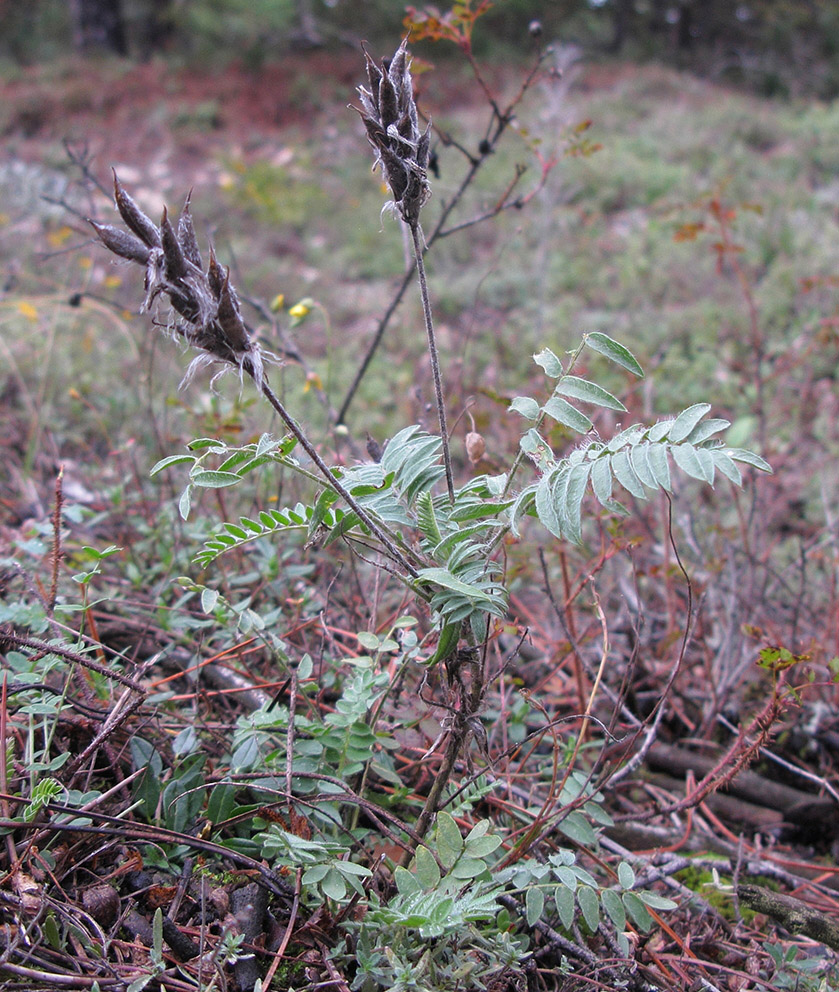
[[212, 320], [389, 112]]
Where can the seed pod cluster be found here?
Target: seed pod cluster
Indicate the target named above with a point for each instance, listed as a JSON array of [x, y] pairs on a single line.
[[205, 300], [389, 113]]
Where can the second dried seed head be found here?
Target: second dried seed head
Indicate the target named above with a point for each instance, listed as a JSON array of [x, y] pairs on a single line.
[[389, 112]]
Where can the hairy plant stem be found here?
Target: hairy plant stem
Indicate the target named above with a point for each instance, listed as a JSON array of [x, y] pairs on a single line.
[[453, 745], [416, 234], [386, 541]]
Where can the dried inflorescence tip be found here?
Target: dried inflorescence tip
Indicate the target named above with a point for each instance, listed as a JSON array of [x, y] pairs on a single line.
[[207, 301], [389, 112]]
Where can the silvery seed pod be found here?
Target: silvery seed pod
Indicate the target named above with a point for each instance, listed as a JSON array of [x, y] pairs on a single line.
[[175, 261], [134, 217], [186, 235], [122, 243], [389, 113]]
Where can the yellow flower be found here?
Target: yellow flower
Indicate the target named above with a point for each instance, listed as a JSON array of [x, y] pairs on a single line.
[[277, 303], [313, 380], [27, 310], [299, 311]]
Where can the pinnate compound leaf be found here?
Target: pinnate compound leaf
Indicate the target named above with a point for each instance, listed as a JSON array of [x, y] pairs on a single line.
[[444, 578], [614, 351], [588, 392]]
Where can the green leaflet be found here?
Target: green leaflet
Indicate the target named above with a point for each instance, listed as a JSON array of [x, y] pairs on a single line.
[[614, 351]]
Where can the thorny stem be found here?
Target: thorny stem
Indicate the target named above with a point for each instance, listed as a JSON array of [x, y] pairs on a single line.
[[416, 234], [334, 483]]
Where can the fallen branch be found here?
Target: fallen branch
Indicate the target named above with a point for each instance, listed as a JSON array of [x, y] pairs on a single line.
[[793, 914]]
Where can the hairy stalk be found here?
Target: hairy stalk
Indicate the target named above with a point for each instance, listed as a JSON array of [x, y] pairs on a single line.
[[416, 234], [498, 124], [455, 741]]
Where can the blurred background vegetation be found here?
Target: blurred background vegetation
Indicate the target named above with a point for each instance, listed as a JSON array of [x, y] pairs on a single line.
[[776, 47]]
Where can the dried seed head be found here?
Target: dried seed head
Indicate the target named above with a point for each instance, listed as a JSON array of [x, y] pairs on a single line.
[[207, 301], [389, 113]]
